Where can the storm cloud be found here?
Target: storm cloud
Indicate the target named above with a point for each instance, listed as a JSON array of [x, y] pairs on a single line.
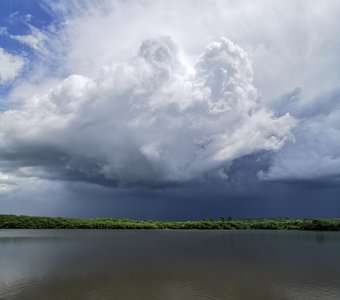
[[151, 119], [181, 99]]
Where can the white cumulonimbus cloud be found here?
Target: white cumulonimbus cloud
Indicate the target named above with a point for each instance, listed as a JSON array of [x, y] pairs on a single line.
[[151, 119]]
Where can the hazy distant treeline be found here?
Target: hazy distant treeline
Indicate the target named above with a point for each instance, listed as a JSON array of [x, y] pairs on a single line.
[[27, 222]]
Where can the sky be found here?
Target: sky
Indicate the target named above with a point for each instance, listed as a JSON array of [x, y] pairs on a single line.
[[172, 110]]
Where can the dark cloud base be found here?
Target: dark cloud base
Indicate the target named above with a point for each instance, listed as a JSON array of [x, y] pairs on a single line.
[[184, 203], [242, 195]]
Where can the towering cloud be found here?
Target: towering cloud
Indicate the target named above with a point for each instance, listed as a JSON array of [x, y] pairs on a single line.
[[148, 120]]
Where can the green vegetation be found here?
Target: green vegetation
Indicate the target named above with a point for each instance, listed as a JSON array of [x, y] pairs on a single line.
[[27, 222]]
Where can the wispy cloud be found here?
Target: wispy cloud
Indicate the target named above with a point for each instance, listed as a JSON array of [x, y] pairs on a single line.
[[10, 66], [35, 39]]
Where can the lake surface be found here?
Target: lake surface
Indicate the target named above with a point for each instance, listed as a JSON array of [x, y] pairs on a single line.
[[118, 264]]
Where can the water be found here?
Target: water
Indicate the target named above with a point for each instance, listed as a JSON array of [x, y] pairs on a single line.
[[116, 264]]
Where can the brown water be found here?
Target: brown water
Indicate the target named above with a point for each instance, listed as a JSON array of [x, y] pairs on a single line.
[[116, 264]]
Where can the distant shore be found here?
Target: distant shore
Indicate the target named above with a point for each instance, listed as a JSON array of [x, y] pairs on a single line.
[[28, 222]]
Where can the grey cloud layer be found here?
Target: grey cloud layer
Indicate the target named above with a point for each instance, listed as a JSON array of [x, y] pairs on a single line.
[[314, 154], [151, 119]]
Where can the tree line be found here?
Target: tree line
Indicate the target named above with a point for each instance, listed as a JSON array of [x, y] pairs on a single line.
[[28, 222]]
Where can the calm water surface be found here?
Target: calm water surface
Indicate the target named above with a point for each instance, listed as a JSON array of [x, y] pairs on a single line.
[[115, 264]]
